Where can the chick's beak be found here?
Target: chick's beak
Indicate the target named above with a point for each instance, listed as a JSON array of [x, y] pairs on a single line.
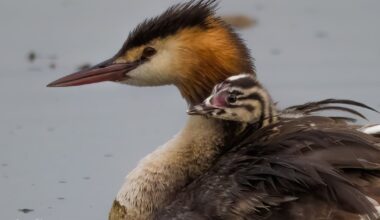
[[201, 109], [105, 71]]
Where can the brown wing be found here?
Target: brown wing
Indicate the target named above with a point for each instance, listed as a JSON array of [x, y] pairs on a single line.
[[302, 168]]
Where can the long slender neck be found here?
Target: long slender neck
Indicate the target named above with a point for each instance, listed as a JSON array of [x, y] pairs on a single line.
[[157, 178], [160, 175]]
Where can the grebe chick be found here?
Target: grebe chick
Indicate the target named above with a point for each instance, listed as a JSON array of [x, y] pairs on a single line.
[[190, 47], [242, 98], [239, 98], [286, 169]]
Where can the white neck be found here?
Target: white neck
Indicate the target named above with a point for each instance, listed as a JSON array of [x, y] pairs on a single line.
[[161, 174]]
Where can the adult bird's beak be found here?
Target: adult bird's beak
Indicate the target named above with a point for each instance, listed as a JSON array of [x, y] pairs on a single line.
[[105, 71]]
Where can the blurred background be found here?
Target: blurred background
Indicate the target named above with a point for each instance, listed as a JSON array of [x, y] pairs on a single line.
[[64, 152]]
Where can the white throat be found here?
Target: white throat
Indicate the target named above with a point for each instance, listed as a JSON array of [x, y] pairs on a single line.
[[161, 174]]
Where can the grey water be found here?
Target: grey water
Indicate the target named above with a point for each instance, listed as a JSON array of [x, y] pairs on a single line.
[[64, 152]]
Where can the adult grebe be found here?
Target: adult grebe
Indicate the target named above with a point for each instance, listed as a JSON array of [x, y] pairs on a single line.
[[296, 167], [191, 48]]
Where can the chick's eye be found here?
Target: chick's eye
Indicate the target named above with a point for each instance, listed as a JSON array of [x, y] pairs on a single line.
[[231, 98], [148, 52]]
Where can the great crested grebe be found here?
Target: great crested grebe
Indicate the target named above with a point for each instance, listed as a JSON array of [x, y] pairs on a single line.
[[297, 167], [191, 48]]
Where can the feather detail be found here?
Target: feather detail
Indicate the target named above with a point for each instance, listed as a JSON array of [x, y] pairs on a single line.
[[327, 104], [311, 105], [371, 129], [311, 158]]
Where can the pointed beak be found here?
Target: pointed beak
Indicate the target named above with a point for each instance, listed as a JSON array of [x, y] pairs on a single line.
[[105, 71], [201, 109]]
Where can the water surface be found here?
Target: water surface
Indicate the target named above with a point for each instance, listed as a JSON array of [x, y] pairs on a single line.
[[64, 152]]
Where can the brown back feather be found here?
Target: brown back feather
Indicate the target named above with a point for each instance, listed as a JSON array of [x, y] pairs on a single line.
[[309, 157]]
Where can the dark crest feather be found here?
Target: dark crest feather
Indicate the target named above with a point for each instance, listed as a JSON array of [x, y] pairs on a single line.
[[174, 19], [329, 104], [338, 108], [314, 105]]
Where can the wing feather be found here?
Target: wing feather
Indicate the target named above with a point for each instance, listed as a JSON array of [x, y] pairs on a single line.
[[310, 157]]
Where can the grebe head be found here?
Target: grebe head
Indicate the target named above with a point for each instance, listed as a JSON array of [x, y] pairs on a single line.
[[187, 45], [239, 98]]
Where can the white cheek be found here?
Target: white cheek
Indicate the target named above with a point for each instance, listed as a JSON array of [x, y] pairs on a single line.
[[159, 70], [242, 115]]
